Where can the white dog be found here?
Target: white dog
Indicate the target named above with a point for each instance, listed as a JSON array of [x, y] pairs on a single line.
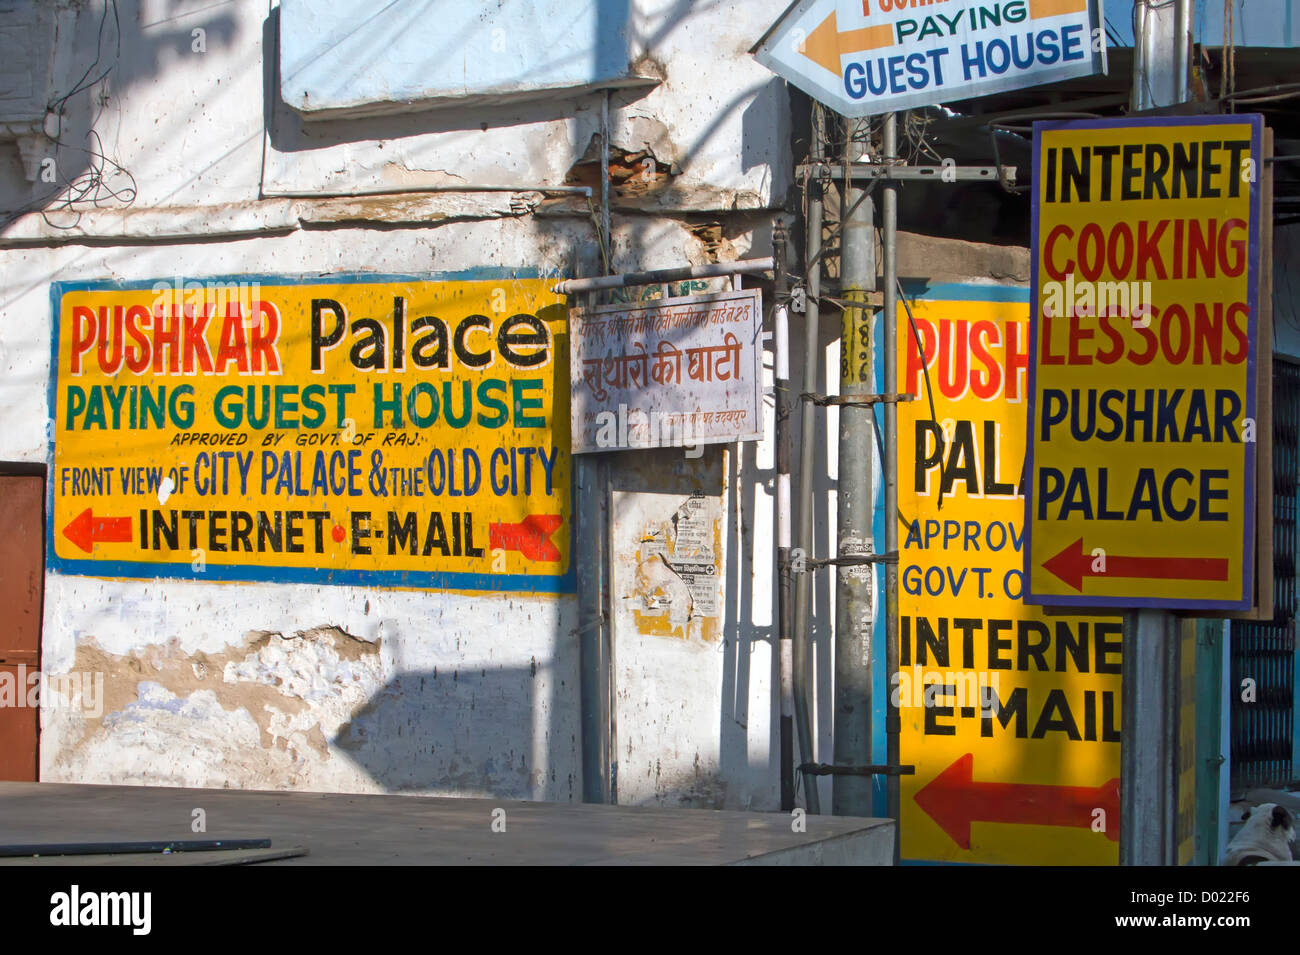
[[1265, 837]]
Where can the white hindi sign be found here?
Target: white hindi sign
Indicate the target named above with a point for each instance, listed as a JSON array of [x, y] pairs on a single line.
[[677, 372], [863, 57]]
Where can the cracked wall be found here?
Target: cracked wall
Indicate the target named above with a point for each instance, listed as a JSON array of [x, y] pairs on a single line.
[[403, 697], [353, 689]]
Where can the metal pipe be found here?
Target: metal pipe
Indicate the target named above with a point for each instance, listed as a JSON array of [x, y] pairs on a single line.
[[854, 611], [656, 276], [593, 662], [1138, 100], [596, 650], [889, 226], [606, 239], [1148, 740], [608, 646], [418, 190], [803, 534], [785, 609], [1182, 49], [1149, 698]]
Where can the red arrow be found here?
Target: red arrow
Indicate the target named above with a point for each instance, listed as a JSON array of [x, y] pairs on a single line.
[[954, 800], [1073, 564], [531, 536], [85, 529]]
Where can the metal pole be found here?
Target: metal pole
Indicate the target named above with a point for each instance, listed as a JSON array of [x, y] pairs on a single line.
[[604, 183], [1149, 698], [785, 610], [1139, 98], [1182, 48], [854, 610], [595, 648], [609, 649], [889, 252], [1148, 739], [804, 518], [1162, 44], [593, 664]]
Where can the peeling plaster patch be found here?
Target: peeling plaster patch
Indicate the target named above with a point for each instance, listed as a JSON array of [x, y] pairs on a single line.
[[633, 173], [291, 693], [434, 700], [312, 666], [401, 174], [650, 67], [640, 132], [721, 240]]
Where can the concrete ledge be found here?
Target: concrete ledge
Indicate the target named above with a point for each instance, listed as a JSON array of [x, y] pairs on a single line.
[[346, 829]]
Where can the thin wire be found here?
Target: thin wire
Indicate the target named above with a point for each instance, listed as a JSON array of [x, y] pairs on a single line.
[[81, 84], [929, 392], [1262, 99], [92, 186], [600, 235]]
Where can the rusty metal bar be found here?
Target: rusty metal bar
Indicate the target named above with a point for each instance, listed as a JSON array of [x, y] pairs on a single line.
[[869, 171], [420, 190], [855, 400], [657, 276], [854, 560], [827, 769], [131, 848]]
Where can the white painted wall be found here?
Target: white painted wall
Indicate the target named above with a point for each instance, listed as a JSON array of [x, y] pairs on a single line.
[[350, 688]]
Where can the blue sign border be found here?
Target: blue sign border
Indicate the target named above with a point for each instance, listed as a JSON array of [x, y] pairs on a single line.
[[410, 580]]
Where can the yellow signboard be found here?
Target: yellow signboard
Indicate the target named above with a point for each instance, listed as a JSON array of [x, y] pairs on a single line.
[[1142, 398], [1010, 716], [384, 431]]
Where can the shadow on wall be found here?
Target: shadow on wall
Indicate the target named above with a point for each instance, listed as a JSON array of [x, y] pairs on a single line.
[[117, 47], [461, 731], [324, 710]]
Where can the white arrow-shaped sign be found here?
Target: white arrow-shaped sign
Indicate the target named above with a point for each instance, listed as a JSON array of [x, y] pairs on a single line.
[[863, 57]]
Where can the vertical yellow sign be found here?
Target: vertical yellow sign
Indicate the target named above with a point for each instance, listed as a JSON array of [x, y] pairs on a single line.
[[1142, 397], [1011, 717]]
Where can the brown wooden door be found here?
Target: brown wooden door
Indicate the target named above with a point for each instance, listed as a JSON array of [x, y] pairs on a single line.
[[22, 587]]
